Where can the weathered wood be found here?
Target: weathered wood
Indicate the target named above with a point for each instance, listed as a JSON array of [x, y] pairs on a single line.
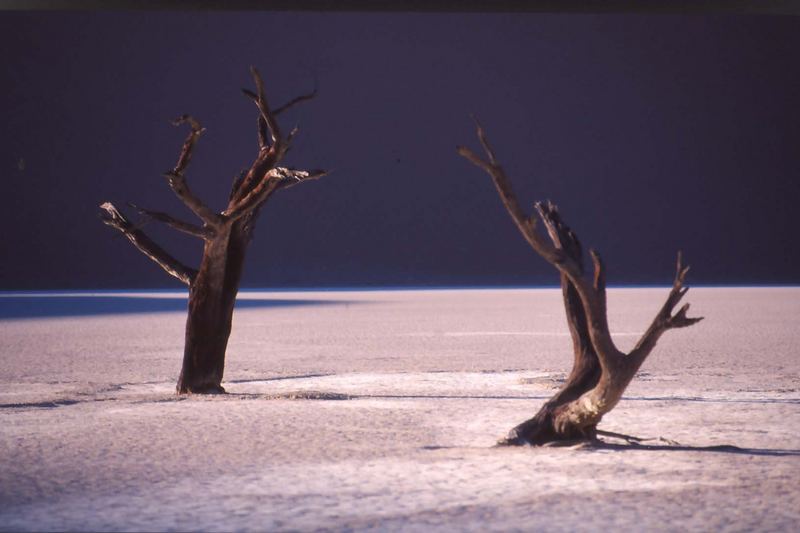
[[180, 225], [600, 372], [177, 180], [111, 216], [213, 288], [276, 178]]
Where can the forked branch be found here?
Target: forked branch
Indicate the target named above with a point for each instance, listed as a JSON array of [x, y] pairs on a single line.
[[592, 295], [263, 179], [275, 179], [288, 105], [177, 180], [264, 176], [112, 217], [267, 123], [665, 319], [525, 224]]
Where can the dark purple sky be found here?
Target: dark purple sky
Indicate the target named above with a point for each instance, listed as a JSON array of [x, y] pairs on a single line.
[[652, 133]]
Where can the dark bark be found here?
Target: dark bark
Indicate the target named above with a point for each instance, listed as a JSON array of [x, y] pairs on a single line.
[[213, 288], [600, 372], [211, 302], [586, 370]]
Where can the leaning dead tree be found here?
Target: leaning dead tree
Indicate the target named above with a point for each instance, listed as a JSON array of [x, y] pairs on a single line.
[[225, 235], [600, 371]]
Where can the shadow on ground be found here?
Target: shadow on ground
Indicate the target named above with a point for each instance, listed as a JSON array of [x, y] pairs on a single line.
[[721, 448], [43, 306]]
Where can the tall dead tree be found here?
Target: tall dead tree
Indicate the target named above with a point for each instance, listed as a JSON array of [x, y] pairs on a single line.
[[600, 371], [226, 235]]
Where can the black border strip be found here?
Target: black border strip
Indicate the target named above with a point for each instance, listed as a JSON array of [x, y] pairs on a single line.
[[776, 7]]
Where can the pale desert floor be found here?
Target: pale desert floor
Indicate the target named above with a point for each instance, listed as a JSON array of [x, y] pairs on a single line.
[[379, 410]]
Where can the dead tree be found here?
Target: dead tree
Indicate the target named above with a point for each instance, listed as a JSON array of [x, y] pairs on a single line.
[[226, 235], [600, 372]]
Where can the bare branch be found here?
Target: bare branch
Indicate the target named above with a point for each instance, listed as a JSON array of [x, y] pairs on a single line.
[[291, 103], [594, 301], [275, 179], [680, 320], [560, 234], [269, 154], [599, 282], [296, 100], [177, 180], [262, 124], [188, 145], [293, 177], [599, 272], [263, 107], [290, 138], [265, 160], [564, 261], [185, 227], [236, 184], [586, 365], [565, 239], [112, 217], [665, 320], [525, 224], [484, 142]]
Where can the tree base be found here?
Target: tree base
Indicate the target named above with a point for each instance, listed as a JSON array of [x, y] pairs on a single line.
[[201, 389], [544, 429]]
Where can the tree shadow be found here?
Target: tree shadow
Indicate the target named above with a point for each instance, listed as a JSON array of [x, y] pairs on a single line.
[[709, 400], [70, 305], [449, 397], [289, 395], [279, 378], [630, 443], [155, 398], [47, 404], [720, 448]]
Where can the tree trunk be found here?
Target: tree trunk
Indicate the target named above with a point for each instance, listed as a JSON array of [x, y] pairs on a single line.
[[600, 372], [548, 424], [213, 288], [211, 302], [208, 325]]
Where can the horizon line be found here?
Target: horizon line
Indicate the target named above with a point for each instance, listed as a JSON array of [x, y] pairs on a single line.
[[379, 288]]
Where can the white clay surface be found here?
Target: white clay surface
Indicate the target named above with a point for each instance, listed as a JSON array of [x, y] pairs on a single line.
[[365, 410]]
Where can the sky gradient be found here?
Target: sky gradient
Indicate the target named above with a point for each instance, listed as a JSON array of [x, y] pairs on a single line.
[[653, 133]]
